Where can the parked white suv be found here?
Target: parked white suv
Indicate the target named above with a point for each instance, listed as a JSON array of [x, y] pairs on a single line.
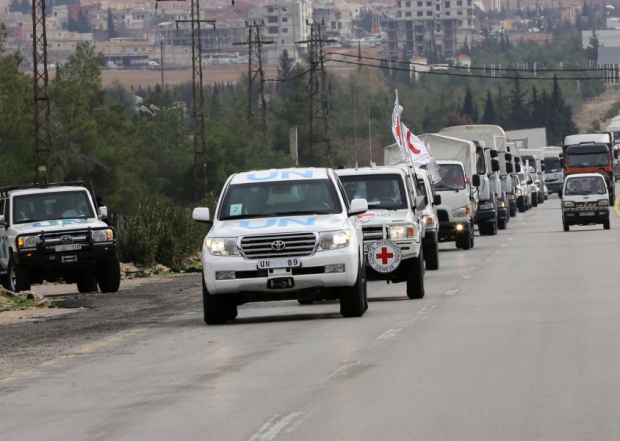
[[283, 234], [54, 231]]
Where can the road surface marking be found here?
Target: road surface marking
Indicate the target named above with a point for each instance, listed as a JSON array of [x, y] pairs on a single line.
[[344, 368], [451, 292], [276, 424], [390, 333], [467, 277]]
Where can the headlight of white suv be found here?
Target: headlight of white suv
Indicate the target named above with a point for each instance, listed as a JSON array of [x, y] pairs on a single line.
[[519, 192], [603, 203], [402, 231], [28, 241], [568, 204], [335, 239], [221, 246], [102, 235]]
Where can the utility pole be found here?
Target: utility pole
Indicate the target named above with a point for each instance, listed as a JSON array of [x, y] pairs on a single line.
[[43, 142], [198, 114], [161, 62], [320, 143], [255, 42]]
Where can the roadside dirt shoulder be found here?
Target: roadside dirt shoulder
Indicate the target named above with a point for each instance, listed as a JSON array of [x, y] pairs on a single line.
[[44, 335]]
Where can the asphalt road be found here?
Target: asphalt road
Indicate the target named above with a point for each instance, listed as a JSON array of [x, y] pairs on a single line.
[[515, 339]]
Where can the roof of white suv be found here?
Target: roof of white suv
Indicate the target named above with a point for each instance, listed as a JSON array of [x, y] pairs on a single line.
[[271, 175]]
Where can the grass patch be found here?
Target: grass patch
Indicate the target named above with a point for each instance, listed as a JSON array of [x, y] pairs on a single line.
[[10, 301]]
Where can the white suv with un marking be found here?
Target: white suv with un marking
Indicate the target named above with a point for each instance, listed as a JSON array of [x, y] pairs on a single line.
[[283, 234]]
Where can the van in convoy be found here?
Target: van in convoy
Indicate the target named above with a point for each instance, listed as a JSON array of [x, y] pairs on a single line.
[[585, 200], [589, 153], [393, 226], [283, 234]]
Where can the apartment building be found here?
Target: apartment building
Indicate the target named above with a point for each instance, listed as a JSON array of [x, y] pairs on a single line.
[[285, 25], [428, 27]]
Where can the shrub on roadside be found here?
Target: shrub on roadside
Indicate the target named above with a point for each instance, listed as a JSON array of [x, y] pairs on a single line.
[[161, 232]]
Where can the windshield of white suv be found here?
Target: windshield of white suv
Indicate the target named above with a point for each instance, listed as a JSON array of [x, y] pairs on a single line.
[[51, 206], [263, 199], [381, 191]]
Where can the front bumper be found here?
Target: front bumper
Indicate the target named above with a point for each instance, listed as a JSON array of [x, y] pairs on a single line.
[[244, 275], [585, 216], [486, 215], [448, 230], [48, 258]]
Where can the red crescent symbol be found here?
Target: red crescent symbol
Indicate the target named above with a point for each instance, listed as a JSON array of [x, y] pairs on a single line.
[[411, 147]]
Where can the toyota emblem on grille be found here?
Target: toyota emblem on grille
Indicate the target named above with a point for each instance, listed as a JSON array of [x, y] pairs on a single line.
[[278, 245], [65, 238]]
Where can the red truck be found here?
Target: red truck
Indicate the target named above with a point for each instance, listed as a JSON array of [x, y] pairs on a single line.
[[590, 153]]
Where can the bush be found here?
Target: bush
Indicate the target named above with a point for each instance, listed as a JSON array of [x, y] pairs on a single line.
[[161, 232]]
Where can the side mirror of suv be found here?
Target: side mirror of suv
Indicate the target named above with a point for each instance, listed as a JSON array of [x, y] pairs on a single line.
[[475, 180], [103, 210], [358, 206], [437, 199]]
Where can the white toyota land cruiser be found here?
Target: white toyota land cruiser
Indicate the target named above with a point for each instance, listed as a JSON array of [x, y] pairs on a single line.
[[283, 234], [53, 231], [393, 226]]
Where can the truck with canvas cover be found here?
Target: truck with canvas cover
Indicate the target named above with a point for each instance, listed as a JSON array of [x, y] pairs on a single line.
[[487, 138], [590, 153], [554, 175], [457, 167]]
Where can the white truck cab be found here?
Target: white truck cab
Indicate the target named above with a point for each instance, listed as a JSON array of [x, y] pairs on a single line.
[[585, 200], [283, 234], [53, 231], [393, 226]]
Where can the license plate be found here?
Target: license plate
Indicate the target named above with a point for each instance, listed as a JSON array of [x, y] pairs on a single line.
[[587, 213], [69, 247], [283, 262]]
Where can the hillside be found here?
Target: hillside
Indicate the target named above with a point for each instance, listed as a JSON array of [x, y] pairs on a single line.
[[596, 108]]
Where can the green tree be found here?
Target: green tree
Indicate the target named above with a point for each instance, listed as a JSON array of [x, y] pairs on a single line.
[[16, 119], [518, 109], [469, 108], [489, 116]]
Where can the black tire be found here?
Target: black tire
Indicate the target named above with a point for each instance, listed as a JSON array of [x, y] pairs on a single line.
[[535, 200], [353, 301], [501, 224], [606, 224], [513, 212], [305, 301], [87, 281], [109, 274], [566, 227], [466, 239], [471, 236], [232, 309], [18, 277], [431, 255], [492, 228], [415, 277], [216, 308]]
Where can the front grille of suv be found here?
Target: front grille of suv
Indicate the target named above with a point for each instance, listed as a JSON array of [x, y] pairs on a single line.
[[280, 245]]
